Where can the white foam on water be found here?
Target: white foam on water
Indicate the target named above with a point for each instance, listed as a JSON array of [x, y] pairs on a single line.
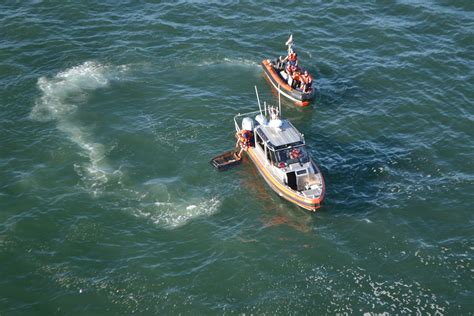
[[61, 97], [157, 203], [170, 215], [178, 214], [55, 102]]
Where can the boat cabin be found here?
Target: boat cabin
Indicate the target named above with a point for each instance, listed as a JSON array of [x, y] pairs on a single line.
[[284, 151]]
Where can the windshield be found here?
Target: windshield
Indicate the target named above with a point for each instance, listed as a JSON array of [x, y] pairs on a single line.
[[292, 155]]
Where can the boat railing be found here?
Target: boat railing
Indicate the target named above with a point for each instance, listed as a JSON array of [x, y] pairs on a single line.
[[251, 114]]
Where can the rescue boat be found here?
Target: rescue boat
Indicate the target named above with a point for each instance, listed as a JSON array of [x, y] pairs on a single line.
[[276, 72], [278, 151]]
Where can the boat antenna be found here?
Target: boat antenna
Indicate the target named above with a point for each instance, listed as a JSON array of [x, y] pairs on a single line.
[[279, 100], [258, 100]]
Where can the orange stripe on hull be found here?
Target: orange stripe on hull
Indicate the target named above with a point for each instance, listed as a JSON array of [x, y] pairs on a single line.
[[276, 77]]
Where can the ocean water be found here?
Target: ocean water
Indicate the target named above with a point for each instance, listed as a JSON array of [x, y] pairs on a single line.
[[111, 111]]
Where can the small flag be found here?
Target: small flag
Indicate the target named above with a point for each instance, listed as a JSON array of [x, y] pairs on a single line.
[[290, 40]]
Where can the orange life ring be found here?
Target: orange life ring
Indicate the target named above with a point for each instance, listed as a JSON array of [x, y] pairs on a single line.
[[295, 153]]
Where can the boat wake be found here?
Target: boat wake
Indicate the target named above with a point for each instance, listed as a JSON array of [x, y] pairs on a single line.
[[62, 94], [61, 97], [228, 61]]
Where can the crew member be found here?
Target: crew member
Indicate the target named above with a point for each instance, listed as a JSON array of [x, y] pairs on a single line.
[[290, 69], [306, 81], [296, 76], [244, 141], [293, 58], [280, 62]]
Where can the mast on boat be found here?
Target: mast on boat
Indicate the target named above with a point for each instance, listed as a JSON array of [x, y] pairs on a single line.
[[258, 100]]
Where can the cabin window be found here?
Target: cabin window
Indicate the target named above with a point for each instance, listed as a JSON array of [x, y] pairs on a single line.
[[284, 155], [259, 140], [271, 156]]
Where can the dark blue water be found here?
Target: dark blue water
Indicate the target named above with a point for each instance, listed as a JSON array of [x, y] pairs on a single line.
[[110, 113]]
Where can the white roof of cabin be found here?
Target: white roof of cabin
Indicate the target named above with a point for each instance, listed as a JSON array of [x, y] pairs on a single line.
[[285, 134]]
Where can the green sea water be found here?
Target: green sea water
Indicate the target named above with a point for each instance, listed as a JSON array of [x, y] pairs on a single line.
[[110, 113]]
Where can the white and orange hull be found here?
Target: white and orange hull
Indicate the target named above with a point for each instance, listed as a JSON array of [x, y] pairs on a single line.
[[311, 204]]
